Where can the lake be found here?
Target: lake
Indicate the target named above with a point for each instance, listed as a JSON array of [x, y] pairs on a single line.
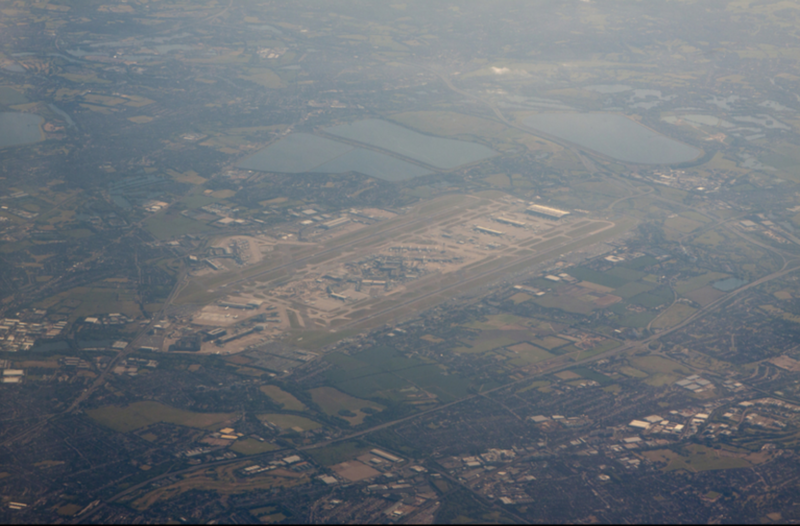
[[434, 151], [615, 136], [17, 129]]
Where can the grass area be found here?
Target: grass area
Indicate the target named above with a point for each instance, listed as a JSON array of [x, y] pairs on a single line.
[[696, 458], [336, 403], [279, 396], [520, 297], [652, 299], [265, 77], [448, 123], [497, 321], [89, 301], [590, 374], [604, 346], [601, 278], [682, 224], [527, 354], [337, 453], [634, 288], [566, 303], [141, 414], [289, 421], [674, 315], [633, 373], [482, 346], [383, 372], [636, 319], [682, 287], [313, 340], [251, 446], [657, 364], [222, 480], [167, 227], [534, 385], [548, 342]]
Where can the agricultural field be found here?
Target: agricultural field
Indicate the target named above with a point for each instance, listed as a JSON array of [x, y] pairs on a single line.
[[142, 414]]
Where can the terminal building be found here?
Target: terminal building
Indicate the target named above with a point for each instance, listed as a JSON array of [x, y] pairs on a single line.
[[546, 212]]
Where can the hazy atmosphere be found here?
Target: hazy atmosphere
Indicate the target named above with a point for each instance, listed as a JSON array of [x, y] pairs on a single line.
[[489, 261]]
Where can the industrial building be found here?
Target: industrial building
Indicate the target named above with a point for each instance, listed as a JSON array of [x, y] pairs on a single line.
[[546, 211], [335, 222], [507, 221], [489, 231]]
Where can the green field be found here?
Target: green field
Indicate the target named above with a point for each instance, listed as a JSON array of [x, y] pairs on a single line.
[[449, 124], [167, 227], [383, 372], [251, 446], [601, 278], [289, 421], [634, 288], [636, 319], [590, 374], [141, 414], [336, 403], [279, 396], [524, 354], [633, 373], [482, 346], [673, 316], [682, 287], [656, 364], [697, 458]]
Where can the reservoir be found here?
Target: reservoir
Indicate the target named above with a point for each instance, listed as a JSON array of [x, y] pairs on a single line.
[[19, 128], [615, 136], [306, 153]]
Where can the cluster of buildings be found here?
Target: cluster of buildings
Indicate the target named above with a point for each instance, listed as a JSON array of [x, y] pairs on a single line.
[[17, 335]]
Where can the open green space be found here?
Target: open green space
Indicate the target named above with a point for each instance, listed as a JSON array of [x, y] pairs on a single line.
[[383, 372], [636, 320], [142, 414], [696, 458], [590, 374], [601, 278], [673, 315], [168, 227], [336, 403], [688, 285], [251, 446], [279, 396], [285, 421]]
